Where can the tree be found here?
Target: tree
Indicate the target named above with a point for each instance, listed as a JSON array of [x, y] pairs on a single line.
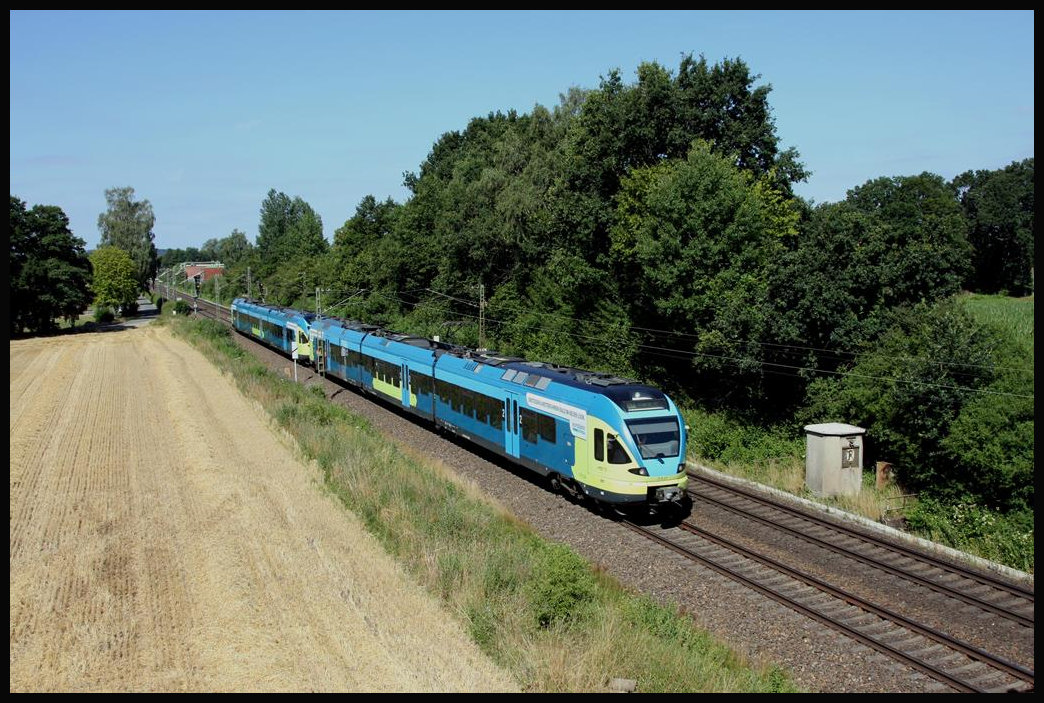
[[691, 250], [480, 207], [48, 268], [623, 127], [916, 248], [720, 104], [990, 447], [21, 247], [233, 248], [999, 208], [358, 243], [128, 224], [115, 282], [228, 250], [620, 129], [289, 228], [893, 242], [209, 251]]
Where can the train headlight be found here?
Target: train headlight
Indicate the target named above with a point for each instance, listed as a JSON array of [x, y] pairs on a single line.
[[640, 471], [681, 467]]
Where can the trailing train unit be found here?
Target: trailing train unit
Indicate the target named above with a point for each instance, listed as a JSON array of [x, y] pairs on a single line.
[[614, 441], [282, 328]]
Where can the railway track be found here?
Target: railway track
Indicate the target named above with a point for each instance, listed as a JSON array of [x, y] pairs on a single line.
[[964, 627], [921, 632], [201, 306], [1003, 597]]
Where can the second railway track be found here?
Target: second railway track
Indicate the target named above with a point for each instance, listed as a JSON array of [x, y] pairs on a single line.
[[922, 632]]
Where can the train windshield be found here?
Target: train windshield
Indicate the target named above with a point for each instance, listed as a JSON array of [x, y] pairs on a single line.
[[657, 437]]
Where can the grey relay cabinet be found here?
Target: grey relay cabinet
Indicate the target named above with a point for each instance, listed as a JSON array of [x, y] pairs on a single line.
[[834, 459]]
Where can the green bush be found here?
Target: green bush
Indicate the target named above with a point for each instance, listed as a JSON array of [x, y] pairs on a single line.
[[717, 436], [182, 308], [483, 621], [562, 587], [103, 314], [669, 625], [1006, 538]]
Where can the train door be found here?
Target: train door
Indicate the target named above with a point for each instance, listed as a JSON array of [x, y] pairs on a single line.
[[405, 385], [304, 347], [607, 451], [511, 424], [319, 347]]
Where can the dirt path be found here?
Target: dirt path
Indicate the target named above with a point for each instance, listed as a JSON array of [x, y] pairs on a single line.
[[165, 538]]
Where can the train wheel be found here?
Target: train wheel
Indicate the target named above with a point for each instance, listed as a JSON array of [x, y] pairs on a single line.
[[565, 486]]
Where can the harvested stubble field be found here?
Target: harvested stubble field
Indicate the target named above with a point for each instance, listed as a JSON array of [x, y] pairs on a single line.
[[165, 538]]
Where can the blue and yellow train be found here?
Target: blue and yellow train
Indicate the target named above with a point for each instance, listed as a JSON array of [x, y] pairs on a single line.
[[614, 441]]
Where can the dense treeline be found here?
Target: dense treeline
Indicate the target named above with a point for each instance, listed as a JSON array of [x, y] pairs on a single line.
[[651, 229], [229, 250], [999, 207]]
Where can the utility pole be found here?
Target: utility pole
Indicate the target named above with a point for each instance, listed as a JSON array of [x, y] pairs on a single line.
[[482, 316]]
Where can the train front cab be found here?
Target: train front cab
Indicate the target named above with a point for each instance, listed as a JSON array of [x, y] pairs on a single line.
[[633, 458], [629, 454], [282, 329]]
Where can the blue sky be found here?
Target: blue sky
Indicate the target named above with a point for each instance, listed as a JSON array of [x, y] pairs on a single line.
[[203, 113]]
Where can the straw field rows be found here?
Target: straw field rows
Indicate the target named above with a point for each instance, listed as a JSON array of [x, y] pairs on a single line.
[[165, 538]]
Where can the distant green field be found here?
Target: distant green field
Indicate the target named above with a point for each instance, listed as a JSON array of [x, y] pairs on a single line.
[[1014, 314]]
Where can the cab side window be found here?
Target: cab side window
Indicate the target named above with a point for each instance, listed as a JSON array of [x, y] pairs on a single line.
[[599, 445], [617, 454]]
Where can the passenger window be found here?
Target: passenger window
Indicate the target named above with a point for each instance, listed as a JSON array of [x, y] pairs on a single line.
[[529, 426], [599, 445], [546, 428]]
